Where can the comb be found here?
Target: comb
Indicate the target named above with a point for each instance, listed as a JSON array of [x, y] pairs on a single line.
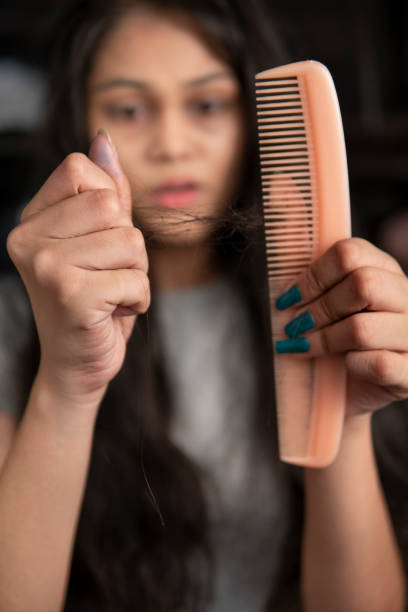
[[306, 206]]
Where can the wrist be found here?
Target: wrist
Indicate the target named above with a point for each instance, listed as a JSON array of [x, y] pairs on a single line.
[[357, 424], [70, 385], [49, 398]]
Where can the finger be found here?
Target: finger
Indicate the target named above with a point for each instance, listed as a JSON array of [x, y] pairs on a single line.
[[366, 288], [332, 267], [124, 291], [362, 331], [129, 289], [76, 174], [85, 213], [111, 249], [104, 154], [380, 367]]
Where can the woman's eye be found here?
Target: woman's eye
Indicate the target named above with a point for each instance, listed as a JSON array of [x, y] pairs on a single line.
[[208, 107], [127, 111]]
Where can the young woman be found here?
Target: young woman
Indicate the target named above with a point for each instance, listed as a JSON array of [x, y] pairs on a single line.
[[152, 482]]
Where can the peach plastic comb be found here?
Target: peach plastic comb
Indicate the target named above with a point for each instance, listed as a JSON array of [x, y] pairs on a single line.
[[306, 207]]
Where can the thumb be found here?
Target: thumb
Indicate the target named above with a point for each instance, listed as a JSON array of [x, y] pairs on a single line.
[[103, 154]]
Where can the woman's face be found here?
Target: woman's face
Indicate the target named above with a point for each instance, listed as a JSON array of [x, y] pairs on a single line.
[[174, 112]]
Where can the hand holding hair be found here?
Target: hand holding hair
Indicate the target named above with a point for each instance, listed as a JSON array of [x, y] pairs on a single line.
[[85, 266]]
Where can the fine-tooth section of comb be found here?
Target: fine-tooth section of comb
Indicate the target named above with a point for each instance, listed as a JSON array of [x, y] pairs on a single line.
[[306, 208]]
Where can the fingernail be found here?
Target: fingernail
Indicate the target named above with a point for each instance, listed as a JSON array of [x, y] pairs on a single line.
[[103, 153], [106, 134], [299, 325], [292, 345], [290, 297]]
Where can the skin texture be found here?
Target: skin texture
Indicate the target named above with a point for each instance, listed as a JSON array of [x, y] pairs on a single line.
[[86, 269]]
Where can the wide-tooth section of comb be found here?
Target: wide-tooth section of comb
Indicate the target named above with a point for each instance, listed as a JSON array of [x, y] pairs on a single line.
[[306, 209]]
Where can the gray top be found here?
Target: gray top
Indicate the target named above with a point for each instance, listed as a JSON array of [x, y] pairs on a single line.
[[15, 330], [209, 356]]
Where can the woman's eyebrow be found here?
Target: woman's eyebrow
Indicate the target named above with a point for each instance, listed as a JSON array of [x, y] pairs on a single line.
[[143, 85], [120, 82], [210, 77]]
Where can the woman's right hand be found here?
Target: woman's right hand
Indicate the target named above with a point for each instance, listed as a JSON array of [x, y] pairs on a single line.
[[85, 268]]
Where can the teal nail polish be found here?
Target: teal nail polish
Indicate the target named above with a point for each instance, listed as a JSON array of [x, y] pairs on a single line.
[[292, 345], [299, 325], [290, 297]]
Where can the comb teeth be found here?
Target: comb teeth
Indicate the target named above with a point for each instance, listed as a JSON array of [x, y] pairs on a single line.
[[288, 176], [306, 209]]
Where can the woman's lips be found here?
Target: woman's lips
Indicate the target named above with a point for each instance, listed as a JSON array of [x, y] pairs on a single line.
[[177, 194]]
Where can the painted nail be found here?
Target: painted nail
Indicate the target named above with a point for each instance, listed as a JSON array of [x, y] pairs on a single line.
[[290, 297], [299, 325], [292, 345]]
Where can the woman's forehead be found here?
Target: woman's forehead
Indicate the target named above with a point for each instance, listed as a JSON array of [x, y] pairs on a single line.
[[148, 45]]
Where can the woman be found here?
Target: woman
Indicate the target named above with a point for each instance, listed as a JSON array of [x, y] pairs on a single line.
[[152, 483]]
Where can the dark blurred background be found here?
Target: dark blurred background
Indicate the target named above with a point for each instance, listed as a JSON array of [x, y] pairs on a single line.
[[365, 46]]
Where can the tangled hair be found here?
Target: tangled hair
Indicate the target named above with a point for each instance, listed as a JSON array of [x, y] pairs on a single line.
[[137, 546]]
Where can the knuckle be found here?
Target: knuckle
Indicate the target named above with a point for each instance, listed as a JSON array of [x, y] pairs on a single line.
[[384, 368], [62, 285], [133, 238], [325, 310], [361, 331], [313, 281], [65, 288], [347, 253], [107, 205], [44, 267], [140, 236], [139, 242], [16, 244], [365, 284], [73, 165]]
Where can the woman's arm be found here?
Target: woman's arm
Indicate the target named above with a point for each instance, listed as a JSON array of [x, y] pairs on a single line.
[[84, 266], [41, 489], [356, 297], [350, 558], [8, 426]]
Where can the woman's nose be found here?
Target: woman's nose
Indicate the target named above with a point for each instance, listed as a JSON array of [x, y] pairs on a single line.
[[171, 137]]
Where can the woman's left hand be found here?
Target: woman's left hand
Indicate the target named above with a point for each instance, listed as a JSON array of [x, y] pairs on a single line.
[[354, 300]]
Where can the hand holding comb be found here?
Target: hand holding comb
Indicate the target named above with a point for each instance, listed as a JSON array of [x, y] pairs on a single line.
[[306, 209]]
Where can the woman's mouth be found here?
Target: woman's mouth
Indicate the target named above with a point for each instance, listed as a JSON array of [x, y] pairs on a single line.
[[176, 194]]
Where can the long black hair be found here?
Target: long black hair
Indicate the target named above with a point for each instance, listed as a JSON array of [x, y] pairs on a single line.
[[142, 540]]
